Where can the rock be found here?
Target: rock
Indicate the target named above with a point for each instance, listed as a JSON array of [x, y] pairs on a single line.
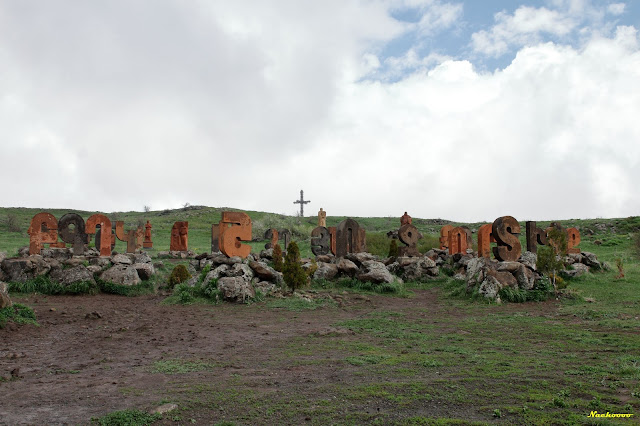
[[463, 259], [591, 260], [240, 270], [121, 259], [324, 258], [529, 259], [326, 271], [266, 254], [121, 274], [574, 258], [475, 273], [102, 262], [216, 273], [505, 278], [267, 288], [3, 256], [406, 261], [164, 408], [24, 268], [265, 272], [145, 270], [204, 263], [23, 251], [74, 261], [142, 258], [421, 270], [74, 275], [94, 269], [360, 258], [459, 277], [347, 267], [5, 301], [577, 270], [163, 255], [235, 289], [375, 272], [511, 267], [490, 287], [525, 277]]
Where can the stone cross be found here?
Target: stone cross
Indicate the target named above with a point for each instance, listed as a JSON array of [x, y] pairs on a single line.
[[302, 202]]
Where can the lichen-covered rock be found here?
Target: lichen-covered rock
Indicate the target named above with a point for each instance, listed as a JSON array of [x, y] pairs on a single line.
[[591, 260], [265, 272], [423, 269], [5, 301], [142, 258], [23, 269], [240, 270], [347, 267], [490, 287], [235, 289], [121, 274], [102, 262], [475, 273], [267, 288], [525, 277], [325, 271], [529, 259], [145, 270], [121, 259], [576, 270], [76, 274], [375, 272]]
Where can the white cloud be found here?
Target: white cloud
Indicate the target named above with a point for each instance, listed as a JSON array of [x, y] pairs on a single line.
[[616, 8]]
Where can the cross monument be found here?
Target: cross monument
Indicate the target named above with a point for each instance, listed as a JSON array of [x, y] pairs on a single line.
[[302, 202]]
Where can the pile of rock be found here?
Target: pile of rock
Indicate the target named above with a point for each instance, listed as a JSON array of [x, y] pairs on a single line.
[[61, 266], [177, 254], [239, 279]]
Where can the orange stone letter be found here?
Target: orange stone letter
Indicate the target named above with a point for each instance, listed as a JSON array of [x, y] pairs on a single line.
[[240, 230], [485, 238], [458, 240], [43, 230], [179, 237], [105, 232], [505, 230], [444, 237], [573, 239]]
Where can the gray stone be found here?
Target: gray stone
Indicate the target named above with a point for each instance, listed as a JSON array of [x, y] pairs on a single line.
[[360, 258], [505, 278], [529, 259], [265, 272], [56, 253], [203, 263], [475, 272], [74, 261], [74, 275], [24, 268], [121, 274], [267, 288], [141, 258], [511, 267], [490, 287], [421, 270], [347, 267], [267, 254], [240, 270], [3, 256], [121, 259], [94, 269], [216, 273], [525, 277], [591, 260], [102, 262], [577, 270], [145, 270], [163, 255], [235, 289], [5, 301], [325, 271], [375, 272], [326, 258], [574, 258]]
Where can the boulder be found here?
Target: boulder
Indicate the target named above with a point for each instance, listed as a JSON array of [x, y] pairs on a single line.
[[490, 287], [121, 259], [266, 254], [265, 272], [591, 260], [203, 263], [360, 258], [525, 277], [94, 269], [375, 272], [216, 273], [475, 272], [76, 274], [145, 270], [142, 258], [573, 258], [421, 270], [347, 267], [235, 289], [267, 288], [511, 267], [325, 271], [577, 270], [56, 253], [24, 268], [241, 270], [5, 301], [74, 261], [529, 259], [102, 262], [121, 274], [324, 258]]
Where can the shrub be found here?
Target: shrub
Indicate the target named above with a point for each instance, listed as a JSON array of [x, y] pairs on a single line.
[[293, 273], [45, 285], [12, 223], [550, 256], [179, 275], [277, 258]]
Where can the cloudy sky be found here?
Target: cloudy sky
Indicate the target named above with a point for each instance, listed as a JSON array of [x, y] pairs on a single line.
[[465, 110]]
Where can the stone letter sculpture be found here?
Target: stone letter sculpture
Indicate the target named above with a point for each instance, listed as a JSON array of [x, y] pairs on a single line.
[[272, 236], [444, 237], [573, 239], [320, 240], [333, 233], [349, 238], [71, 229], [133, 237], [105, 232], [215, 237], [147, 243], [322, 218], [405, 219], [179, 237], [240, 230], [485, 238], [43, 230], [505, 230], [459, 240], [535, 236], [284, 235], [409, 236]]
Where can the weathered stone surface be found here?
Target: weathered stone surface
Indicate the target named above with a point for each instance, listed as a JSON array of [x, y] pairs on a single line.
[[265, 272], [326, 271], [102, 262], [484, 240], [573, 240], [94, 269], [444, 237], [179, 237], [525, 277], [320, 241], [241, 270], [376, 272], [409, 236], [348, 238], [105, 232], [216, 273], [24, 269], [591, 260], [322, 218], [285, 237], [347, 267], [324, 258], [74, 275], [475, 272], [267, 288], [145, 270], [505, 230], [74, 261], [490, 287], [529, 259], [511, 267], [458, 240], [121, 258], [266, 254], [134, 237], [271, 235], [574, 258], [5, 301], [43, 230], [235, 289], [3, 256], [405, 220], [121, 274], [141, 258], [359, 258], [148, 242], [421, 270], [56, 253], [505, 278], [71, 230], [231, 236], [576, 270]]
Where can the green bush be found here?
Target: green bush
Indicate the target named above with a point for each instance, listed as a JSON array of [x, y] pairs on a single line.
[[202, 292], [293, 273], [44, 285], [127, 418], [17, 313], [179, 275], [144, 287]]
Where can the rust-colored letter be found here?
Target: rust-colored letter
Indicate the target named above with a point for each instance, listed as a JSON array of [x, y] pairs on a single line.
[[133, 238], [573, 239], [147, 243], [535, 236], [179, 237], [240, 230], [444, 237], [485, 238], [272, 236], [458, 240], [105, 232], [43, 230]]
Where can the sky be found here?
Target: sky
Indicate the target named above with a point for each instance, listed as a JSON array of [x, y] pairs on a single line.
[[461, 110]]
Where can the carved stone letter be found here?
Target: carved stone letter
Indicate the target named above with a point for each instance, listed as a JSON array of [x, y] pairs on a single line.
[[71, 231], [458, 240], [409, 235], [285, 236], [133, 237], [43, 230], [320, 240], [573, 239], [272, 236], [105, 232], [349, 238], [147, 243], [179, 237], [505, 230], [535, 236], [485, 238], [240, 230], [444, 237]]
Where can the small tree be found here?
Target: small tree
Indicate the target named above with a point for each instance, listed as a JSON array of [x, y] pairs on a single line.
[[147, 209], [12, 223], [550, 256], [293, 273], [277, 258]]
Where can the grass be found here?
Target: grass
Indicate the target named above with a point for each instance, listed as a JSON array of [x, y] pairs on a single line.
[[352, 284], [298, 304], [18, 314], [44, 285], [127, 418], [179, 366], [145, 287]]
